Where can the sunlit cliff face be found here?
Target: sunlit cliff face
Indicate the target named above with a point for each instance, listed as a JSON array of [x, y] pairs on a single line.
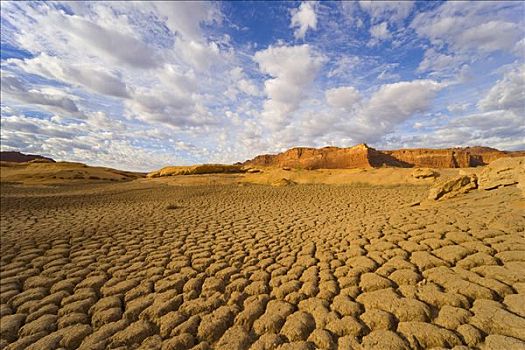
[[140, 85]]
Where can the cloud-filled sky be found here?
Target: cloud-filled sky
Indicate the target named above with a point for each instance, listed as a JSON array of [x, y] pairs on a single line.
[[140, 85]]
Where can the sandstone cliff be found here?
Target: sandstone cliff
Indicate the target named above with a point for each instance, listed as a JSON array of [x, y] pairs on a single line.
[[363, 156]]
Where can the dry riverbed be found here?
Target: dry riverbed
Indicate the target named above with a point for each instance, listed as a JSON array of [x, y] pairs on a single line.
[[153, 266]]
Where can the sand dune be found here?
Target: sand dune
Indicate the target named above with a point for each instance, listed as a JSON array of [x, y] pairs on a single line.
[[144, 264]]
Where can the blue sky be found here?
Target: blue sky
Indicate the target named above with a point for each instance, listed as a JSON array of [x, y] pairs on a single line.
[[141, 85]]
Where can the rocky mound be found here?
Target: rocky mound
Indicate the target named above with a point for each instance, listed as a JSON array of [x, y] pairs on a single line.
[[363, 156], [42, 172], [500, 173], [17, 157], [503, 172], [453, 187], [197, 170]]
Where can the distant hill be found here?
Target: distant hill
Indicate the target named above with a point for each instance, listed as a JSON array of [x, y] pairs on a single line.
[[18, 157], [363, 156], [34, 169]]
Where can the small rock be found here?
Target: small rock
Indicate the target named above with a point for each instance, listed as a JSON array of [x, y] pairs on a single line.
[[424, 173], [283, 182]]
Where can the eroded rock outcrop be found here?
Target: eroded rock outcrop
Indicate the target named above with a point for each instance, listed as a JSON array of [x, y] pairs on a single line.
[[500, 173], [503, 172], [363, 156], [313, 158], [453, 187]]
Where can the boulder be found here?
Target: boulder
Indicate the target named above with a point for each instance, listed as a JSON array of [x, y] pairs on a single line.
[[424, 173], [453, 187], [502, 172]]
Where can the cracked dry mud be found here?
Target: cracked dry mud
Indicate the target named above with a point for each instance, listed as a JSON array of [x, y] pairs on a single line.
[[151, 266]]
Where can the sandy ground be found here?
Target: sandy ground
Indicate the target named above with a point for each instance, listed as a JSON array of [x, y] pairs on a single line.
[[59, 173], [146, 265]]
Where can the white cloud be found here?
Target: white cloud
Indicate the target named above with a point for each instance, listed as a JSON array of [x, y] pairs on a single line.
[[304, 18], [120, 47], [380, 31], [507, 94], [88, 141], [392, 11], [201, 56], [435, 61], [344, 65], [164, 81], [293, 69], [343, 97], [457, 108], [500, 129], [49, 99], [467, 26], [490, 36], [391, 105], [386, 75], [248, 87], [239, 82], [97, 79], [185, 17]]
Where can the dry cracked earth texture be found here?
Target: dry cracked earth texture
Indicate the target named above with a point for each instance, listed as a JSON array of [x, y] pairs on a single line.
[[150, 266]]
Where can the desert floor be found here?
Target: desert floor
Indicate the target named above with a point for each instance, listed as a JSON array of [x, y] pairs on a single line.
[[148, 265]]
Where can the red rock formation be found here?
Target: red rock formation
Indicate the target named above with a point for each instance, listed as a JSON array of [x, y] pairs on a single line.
[[432, 158], [362, 156], [18, 157], [313, 158]]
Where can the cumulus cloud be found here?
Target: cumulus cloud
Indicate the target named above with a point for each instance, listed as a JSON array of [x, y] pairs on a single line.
[[239, 82], [169, 82], [293, 69], [343, 97], [393, 103], [200, 56], [390, 106], [507, 94], [304, 18]]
